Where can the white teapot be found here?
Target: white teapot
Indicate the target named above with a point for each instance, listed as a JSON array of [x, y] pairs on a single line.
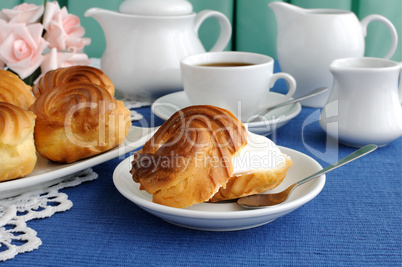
[[146, 40]]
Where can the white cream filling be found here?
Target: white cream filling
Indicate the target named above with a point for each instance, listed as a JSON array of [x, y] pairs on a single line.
[[259, 153]]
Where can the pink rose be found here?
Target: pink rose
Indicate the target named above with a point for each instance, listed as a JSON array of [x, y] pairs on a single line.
[[22, 48], [55, 59], [63, 30], [5, 30], [24, 13]]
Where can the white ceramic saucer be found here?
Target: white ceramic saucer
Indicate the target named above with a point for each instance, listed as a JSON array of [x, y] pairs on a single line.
[[167, 105], [226, 216]]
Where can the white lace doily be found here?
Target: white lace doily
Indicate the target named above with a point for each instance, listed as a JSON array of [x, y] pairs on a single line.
[[131, 105], [15, 236]]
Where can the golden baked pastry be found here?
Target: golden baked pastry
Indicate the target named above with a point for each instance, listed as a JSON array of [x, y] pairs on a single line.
[[17, 148], [81, 74], [190, 156], [78, 120], [253, 182], [13, 90]]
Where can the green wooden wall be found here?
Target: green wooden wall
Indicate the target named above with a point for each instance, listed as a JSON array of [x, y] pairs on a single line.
[[253, 22]]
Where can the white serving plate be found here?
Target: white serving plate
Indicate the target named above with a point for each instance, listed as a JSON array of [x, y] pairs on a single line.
[[47, 173], [167, 105], [226, 216]]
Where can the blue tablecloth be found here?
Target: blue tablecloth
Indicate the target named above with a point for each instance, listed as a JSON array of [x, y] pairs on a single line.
[[355, 220]]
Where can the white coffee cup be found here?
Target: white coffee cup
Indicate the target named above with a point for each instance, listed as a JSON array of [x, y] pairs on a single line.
[[236, 81]]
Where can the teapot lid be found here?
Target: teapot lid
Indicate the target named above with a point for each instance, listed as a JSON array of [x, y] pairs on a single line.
[[156, 7]]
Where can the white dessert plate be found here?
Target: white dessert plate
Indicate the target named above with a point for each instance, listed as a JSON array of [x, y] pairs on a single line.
[[226, 216], [167, 105], [47, 173]]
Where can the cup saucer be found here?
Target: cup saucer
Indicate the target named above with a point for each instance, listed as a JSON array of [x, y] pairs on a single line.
[[167, 105]]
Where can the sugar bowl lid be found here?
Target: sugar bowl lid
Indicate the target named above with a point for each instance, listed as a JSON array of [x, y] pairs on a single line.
[[156, 7]]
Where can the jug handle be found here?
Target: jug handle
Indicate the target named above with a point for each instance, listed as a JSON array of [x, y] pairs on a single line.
[[225, 27], [389, 25]]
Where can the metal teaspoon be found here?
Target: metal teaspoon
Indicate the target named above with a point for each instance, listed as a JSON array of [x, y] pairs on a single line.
[[265, 200], [260, 115]]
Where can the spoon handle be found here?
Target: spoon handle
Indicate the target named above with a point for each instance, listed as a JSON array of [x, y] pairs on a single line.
[[261, 114], [355, 155], [313, 93]]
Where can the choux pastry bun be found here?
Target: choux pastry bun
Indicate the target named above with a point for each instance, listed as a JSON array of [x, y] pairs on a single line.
[[190, 156], [14, 91], [73, 74], [78, 120], [17, 148]]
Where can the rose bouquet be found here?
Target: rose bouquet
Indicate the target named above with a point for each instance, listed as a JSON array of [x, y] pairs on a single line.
[[35, 39]]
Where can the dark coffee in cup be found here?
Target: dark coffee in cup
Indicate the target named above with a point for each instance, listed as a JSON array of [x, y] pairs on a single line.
[[226, 64]]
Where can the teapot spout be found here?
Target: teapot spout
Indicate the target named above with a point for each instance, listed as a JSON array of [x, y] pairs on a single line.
[[285, 13], [100, 14], [114, 24]]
